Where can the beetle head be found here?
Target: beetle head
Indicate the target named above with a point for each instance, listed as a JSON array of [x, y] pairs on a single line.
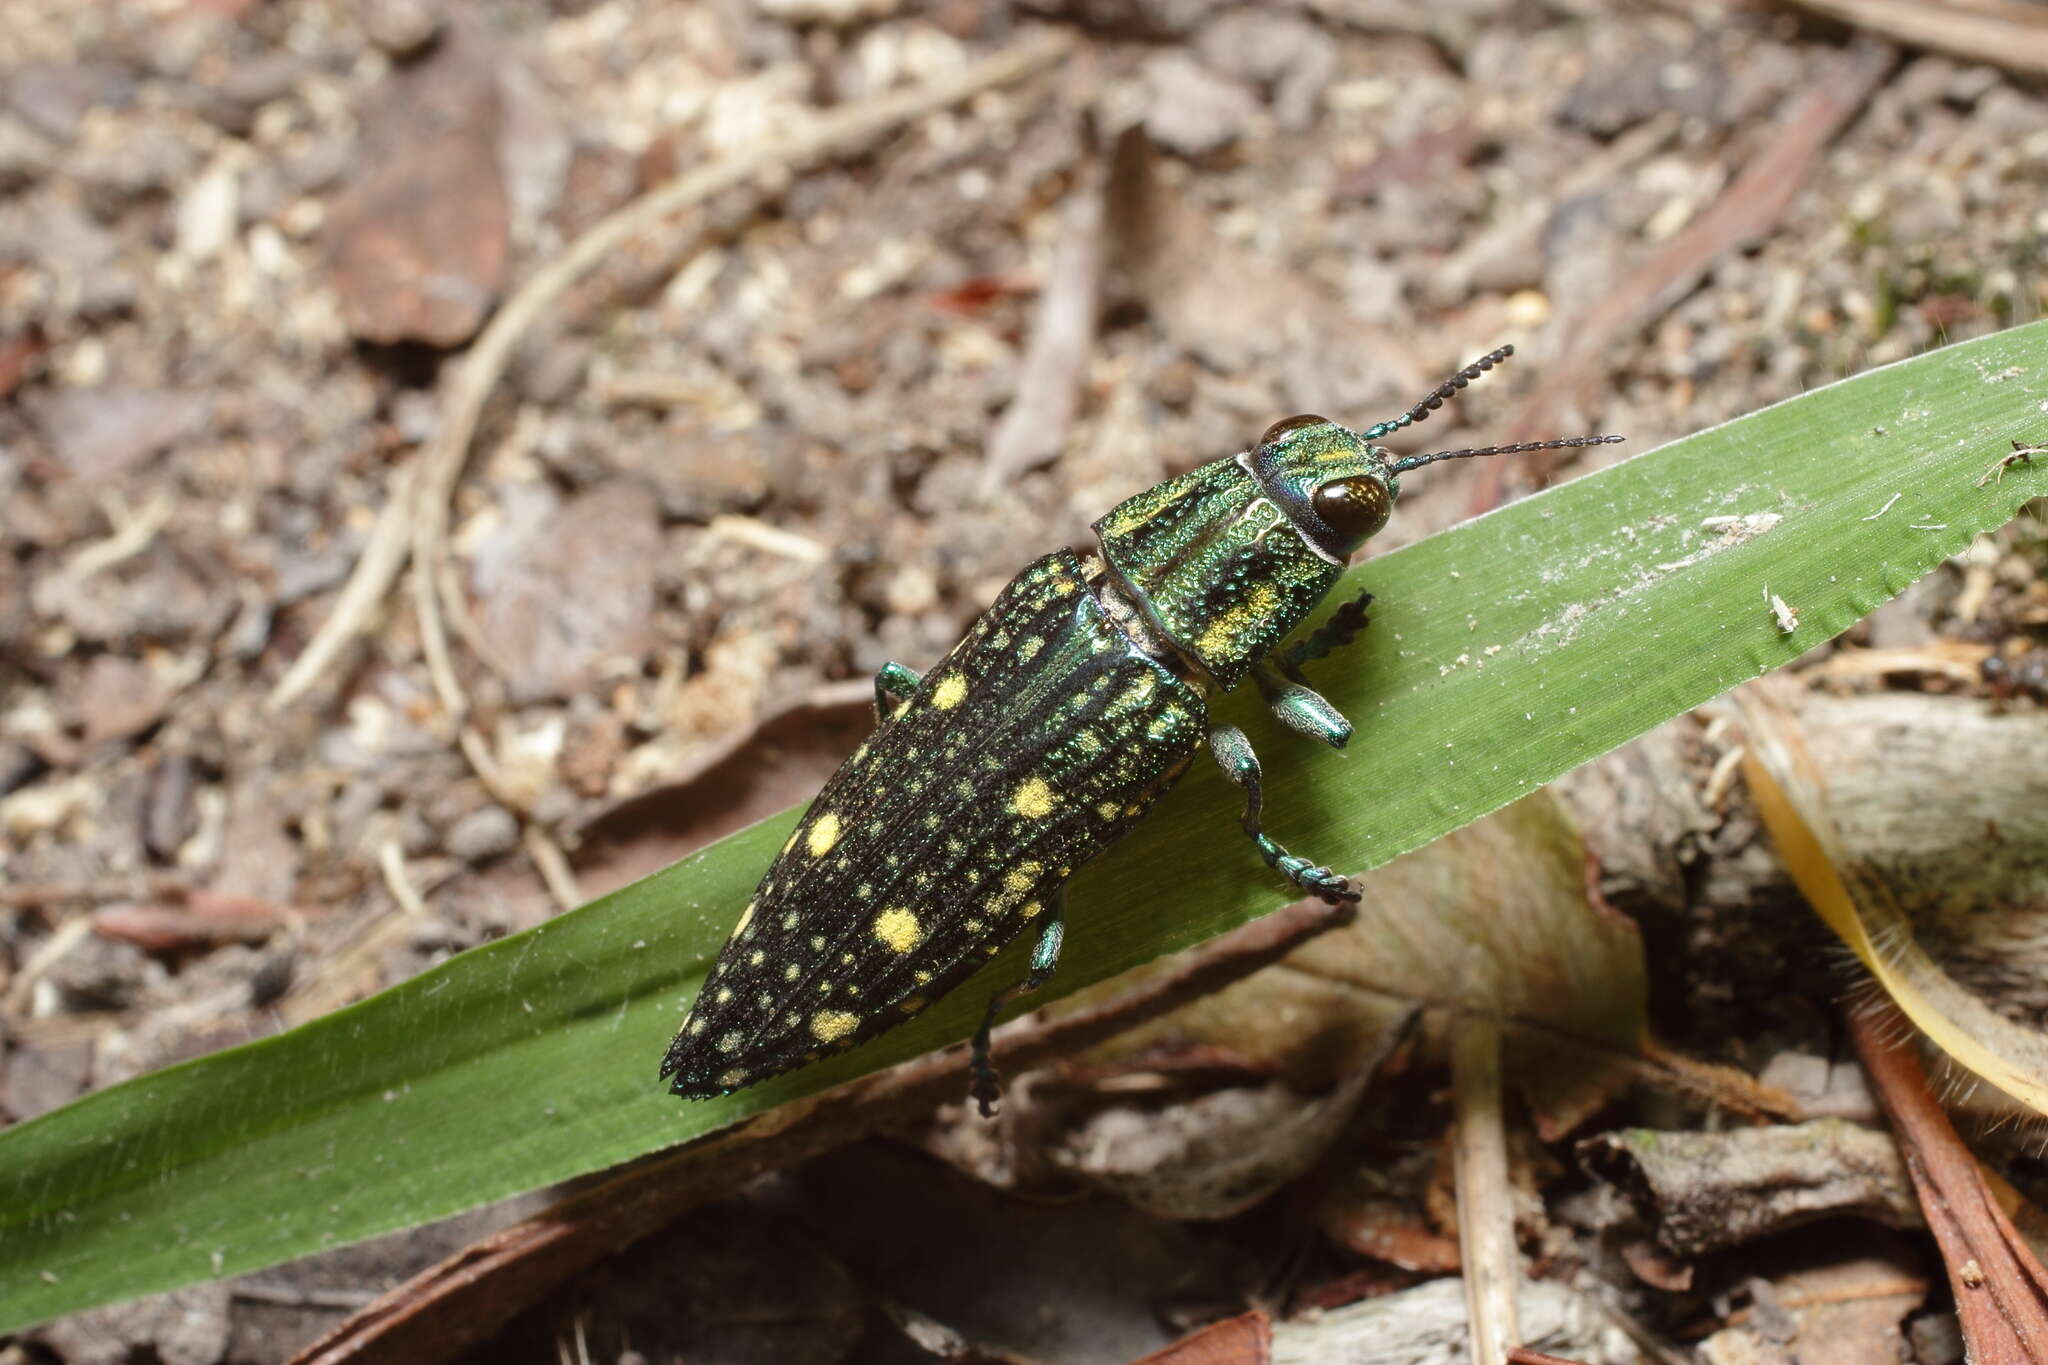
[[1333, 485], [1339, 488]]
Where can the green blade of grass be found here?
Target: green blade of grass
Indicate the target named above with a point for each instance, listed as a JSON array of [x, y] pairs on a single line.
[[1501, 653]]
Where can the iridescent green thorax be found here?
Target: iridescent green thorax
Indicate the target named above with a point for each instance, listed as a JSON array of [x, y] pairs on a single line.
[[1231, 556], [1219, 567]]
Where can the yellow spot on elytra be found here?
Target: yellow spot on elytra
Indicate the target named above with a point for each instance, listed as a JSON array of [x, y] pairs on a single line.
[[1065, 587], [724, 994], [792, 972], [898, 929], [829, 1026], [756, 958], [951, 691], [1139, 692], [923, 978], [730, 1042], [824, 834], [1031, 910], [732, 1078], [1107, 810], [1029, 649], [1034, 799], [1222, 631], [1017, 884], [1088, 742]]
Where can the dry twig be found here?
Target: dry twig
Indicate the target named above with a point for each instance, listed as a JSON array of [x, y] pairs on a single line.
[[149, 886], [1486, 1217], [2001, 32], [1034, 427], [2001, 1291]]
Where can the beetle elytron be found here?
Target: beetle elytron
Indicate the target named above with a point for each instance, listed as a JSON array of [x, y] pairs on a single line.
[[1071, 706]]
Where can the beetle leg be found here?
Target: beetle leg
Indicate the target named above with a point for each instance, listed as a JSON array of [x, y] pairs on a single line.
[[893, 686], [1335, 633], [985, 1087], [1241, 766], [1302, 709]]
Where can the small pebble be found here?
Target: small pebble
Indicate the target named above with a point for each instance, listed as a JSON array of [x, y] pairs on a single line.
[[402, 28], [486, 832]]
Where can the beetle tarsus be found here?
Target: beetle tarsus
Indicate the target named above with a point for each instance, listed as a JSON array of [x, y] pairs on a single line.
[[1340, 630], [1234, 752], [1332, 888]]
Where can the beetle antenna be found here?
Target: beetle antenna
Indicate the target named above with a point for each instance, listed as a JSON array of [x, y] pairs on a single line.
[[1417, 461], [1434, 399]]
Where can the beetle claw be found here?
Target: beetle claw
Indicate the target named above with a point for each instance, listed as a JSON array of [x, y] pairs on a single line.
[[986, 1090], [1332, 888]]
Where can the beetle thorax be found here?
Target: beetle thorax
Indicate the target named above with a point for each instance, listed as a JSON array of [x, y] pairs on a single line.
[[1217, 564]]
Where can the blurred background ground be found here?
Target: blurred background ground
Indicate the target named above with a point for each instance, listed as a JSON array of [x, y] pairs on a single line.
[[816, 425]]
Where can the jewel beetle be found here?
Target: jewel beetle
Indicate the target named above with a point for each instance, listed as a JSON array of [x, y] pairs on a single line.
[[1074, 702]]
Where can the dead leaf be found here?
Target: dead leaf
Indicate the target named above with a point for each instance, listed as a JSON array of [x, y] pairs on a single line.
[[120, 697], [1385, 1229], [421, 243], [783, 759], [1872, 854], [1495, 918], [99, 433], [1246, 1339], [1215, 1155], [564, 592]]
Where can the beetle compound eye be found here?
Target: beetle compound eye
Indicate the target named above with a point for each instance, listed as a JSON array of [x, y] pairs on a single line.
[[1286, 425], [1354, 508]]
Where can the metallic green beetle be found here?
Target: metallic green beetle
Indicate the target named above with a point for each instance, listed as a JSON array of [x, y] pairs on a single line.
[[1071, 706]]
